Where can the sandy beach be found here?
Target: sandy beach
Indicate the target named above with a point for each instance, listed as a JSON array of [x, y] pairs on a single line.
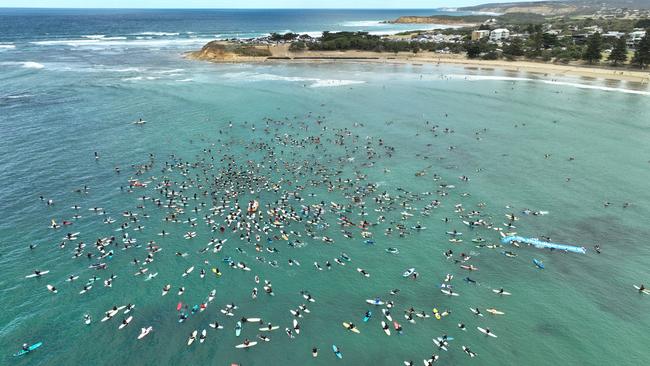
[[281, 53]]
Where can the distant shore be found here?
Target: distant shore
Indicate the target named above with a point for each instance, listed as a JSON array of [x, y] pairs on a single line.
[[282, 54]]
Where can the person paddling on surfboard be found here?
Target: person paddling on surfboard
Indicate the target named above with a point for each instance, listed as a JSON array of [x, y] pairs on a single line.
[[25, 347]]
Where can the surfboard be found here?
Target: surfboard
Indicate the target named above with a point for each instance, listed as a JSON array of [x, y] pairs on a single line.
[[238, 329], [448, 292], [408, 272], [128, 320], [503, 293], [29, 349], [266, 329], [385, 328], [364, 274], [188, 271], [37, 275], [347, 326], [368, 316], [484, 331], [250, 344], [645, 291], [337, 352], [144, 332], [387, 314], [494, 311], [439, 344], [469, 353], [375, 302], [52, 289], [192, 338]]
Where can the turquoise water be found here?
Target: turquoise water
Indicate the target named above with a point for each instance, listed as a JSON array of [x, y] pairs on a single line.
[[581, 309]]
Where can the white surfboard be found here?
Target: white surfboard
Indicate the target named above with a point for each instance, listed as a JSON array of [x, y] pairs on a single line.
[[484, 331], [192, 338], [385, 328], [37, 275], [250, 344], [144, 332], [128, 320]]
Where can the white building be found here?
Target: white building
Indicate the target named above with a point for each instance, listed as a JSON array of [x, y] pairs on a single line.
[[499, 34], [634, 38], [612, 34]]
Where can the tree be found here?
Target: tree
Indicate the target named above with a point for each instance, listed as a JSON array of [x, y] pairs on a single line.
[[535, 42], [298, 46], [619, 53], [593, 51], [515, 48], [473, 49], [642, 23], [642, 54]]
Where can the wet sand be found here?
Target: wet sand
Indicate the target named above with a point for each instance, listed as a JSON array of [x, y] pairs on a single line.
[[281, 54]]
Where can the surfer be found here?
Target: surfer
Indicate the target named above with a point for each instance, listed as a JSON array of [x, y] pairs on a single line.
[[642, 288]]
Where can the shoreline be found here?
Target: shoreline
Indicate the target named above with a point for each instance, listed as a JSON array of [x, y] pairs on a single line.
[[281, 54]]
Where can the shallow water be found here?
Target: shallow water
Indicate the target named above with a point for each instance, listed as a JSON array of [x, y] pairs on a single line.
[[581, 309]]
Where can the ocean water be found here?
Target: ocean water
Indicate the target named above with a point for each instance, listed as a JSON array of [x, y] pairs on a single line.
[[71, 83]]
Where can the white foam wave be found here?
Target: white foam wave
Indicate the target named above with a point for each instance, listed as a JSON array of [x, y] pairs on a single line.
[[94, 36], [6, 46], [550, 82], [116, 42], [313, 82], [127, 69], [160, 34], [363, 23], [138, 78], [313, 34], [185, 80], [67, 42], [32, 65], [20, 96], [172, 71], [332, 83]]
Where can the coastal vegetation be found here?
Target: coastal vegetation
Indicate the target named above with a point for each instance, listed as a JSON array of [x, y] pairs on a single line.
[[579, 34], [229, 50], [642, 54]]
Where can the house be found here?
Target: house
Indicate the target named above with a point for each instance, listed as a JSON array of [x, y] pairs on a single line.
[[634, 38], [593, 29], [612, 34], [479, 34], [499, 34]]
